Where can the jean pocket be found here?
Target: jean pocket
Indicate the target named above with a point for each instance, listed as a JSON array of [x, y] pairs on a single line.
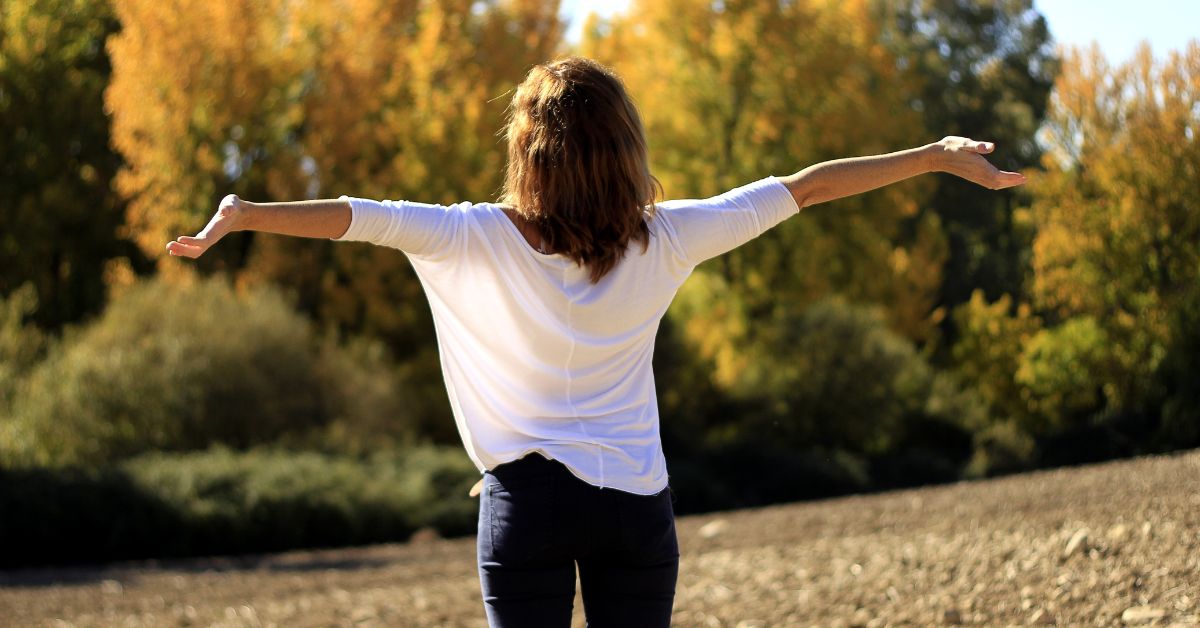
[[648, 528], [522, 519]]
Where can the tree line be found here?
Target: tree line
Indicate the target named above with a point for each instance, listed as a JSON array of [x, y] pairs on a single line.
[[924, 332]]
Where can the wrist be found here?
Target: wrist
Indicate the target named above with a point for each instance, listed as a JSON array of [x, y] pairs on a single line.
[[240, 213], [931, 155]]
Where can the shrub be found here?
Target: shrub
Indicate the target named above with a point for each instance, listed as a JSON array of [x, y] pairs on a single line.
[[179, 367], [22, 346], [835, 377], [370, 404], [1179, 374], [223, 502], [811, 403], [1000, 448], [1062, 371], [740, 475], [988, 351], [174, 367]]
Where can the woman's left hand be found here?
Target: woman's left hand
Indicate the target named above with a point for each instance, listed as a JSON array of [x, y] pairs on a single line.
[[964, 157]]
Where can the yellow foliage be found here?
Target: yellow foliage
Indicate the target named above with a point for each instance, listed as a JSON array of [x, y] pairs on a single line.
[[279, 100], [1117, 212], [732, 92]]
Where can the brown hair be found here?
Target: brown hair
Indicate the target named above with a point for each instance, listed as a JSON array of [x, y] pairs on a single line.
[[577, 165]]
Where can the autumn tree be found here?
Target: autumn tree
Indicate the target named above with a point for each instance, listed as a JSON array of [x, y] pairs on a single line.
[[734, 91], [283, 100], [61, 217], [1118, 219], [406, 102]]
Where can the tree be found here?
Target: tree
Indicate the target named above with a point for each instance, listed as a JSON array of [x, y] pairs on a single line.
[[988, 351], [985, 70], [62, 219], [1117, 222], [733, 91], [284, 100]]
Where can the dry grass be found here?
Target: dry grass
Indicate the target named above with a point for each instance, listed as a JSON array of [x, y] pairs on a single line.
[[1110, 544]]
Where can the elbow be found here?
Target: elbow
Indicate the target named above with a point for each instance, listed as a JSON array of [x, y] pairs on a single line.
[[802, 189]]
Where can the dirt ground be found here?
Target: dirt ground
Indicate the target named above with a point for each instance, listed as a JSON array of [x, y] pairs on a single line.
[[1113, 544]]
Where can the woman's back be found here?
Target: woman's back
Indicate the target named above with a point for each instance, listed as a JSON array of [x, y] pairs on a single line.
[[537, 356]]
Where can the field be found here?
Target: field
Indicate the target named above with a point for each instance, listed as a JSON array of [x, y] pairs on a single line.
[[1112, 544]]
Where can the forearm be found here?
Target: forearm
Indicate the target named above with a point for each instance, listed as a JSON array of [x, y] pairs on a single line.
[[325, 218], [306, 219], [839, 178]]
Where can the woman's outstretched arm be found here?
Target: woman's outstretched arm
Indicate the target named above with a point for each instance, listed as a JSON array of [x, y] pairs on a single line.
[[307, 219], [959, 156]]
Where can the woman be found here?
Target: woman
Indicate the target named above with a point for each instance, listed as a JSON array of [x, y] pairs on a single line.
[[546, 307]]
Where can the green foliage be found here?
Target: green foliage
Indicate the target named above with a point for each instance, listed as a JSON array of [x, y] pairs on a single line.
[[60, 214], [834, 376], [372, 405], [174, 367], [1062, 372], [991, 340], [220, 502], [950, 401], [181, 366], [22, 344]]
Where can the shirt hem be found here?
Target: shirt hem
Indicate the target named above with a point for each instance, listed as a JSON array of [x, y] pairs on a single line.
[[666, 482]]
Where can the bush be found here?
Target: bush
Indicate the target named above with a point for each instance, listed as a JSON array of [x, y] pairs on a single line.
[[1062, 371], [744, 475], [929, 450], [370, 404], [22, 346], [179, 367], [1179, 373], [807, 404], [988, 351], [223, 502], [835, 377], [1000, 448], [21, 342]]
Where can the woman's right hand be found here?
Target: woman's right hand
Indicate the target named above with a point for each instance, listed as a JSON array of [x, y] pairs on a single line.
[[964, 157], [229, 217]]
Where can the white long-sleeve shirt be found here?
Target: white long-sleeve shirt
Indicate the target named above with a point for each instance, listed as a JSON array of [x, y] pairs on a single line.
[[536, 358]]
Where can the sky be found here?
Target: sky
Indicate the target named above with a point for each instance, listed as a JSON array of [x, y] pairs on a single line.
[[1118, 25]]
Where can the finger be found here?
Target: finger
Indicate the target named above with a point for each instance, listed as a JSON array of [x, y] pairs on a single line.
[[177, 249], [190, 240], [184, 250], [1009, 179], [983, 148]]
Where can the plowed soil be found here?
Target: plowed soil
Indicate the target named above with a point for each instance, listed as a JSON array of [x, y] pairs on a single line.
[[1105, 545]]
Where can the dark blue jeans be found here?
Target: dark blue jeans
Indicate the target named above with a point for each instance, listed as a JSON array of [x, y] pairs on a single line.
[[537, 521]]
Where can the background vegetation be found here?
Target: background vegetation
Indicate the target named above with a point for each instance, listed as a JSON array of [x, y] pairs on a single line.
[[284, 392]]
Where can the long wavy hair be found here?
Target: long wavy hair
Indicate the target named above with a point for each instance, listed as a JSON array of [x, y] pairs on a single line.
[[577, 165]]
